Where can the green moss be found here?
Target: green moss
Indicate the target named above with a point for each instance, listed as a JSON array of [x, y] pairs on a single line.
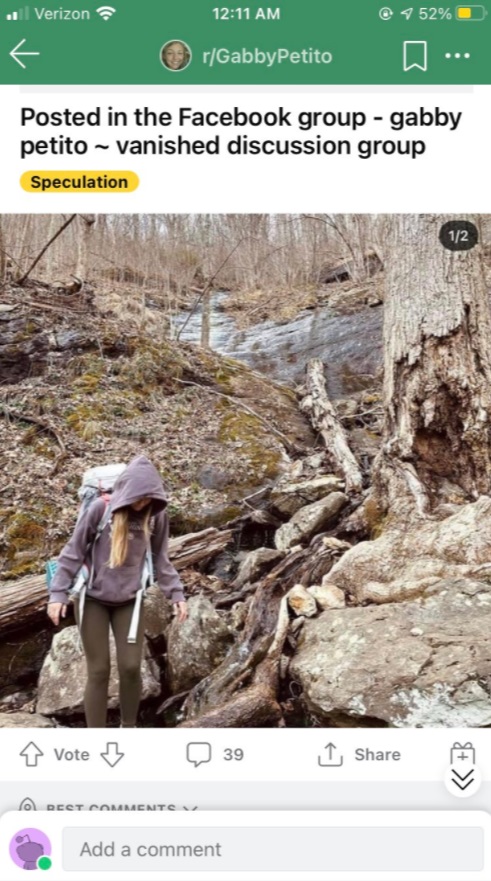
[[87, 383], [24, 531], [82, 415], [244, 428], [152, 365], [28, 567]]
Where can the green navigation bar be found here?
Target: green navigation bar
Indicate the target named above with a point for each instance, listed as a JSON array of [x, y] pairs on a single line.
[[193, 42]]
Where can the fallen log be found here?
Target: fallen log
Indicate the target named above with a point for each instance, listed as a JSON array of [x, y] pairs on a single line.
[[323, 417], [23, 601]]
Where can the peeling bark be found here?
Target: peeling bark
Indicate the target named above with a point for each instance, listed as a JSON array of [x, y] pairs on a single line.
[[437, 343]]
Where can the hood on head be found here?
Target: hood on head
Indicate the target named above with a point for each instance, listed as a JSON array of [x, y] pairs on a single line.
[[140, 480]]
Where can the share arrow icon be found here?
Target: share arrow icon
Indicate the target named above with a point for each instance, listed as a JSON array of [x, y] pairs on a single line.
[[15, 54]]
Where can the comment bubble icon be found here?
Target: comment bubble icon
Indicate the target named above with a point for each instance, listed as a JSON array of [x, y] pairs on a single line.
[[198, 753]]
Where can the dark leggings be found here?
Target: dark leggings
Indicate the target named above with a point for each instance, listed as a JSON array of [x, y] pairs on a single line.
[[97, 619]]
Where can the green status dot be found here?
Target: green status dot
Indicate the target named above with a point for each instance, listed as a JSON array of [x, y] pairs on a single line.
[[44, 863]]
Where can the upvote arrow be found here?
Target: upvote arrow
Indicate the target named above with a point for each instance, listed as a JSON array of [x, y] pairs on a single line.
[[31, 753], [112, 755], [15, 54]]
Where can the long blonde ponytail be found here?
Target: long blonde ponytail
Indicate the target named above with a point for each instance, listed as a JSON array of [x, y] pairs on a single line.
[[120, 531]]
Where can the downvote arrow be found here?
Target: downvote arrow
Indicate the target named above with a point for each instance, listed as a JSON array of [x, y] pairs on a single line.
[[112, 755]]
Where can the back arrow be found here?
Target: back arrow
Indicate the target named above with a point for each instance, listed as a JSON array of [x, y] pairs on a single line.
[[15, 54], [112, 755]]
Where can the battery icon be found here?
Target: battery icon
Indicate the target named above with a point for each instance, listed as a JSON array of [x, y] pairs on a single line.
[[471, 13]]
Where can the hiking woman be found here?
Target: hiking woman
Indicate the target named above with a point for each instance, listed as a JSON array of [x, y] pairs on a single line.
[[138, 522]]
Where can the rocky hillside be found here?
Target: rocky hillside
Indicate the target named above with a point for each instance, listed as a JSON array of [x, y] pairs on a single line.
[[296, 615]]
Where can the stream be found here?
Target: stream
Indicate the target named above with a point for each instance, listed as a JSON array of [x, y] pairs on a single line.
[[349, 345]]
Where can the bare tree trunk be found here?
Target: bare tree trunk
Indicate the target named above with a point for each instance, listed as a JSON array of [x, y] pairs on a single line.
[[87, 222], [205, 319], [437, 396], [3, 261]]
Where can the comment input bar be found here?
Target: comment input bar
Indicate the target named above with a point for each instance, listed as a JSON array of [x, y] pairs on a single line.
[[253, 845]]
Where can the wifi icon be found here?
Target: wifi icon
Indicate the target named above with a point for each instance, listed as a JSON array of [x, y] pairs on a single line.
[[106, 12]]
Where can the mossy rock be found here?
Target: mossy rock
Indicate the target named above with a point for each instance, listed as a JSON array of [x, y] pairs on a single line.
[[24, 543], [256, 443]]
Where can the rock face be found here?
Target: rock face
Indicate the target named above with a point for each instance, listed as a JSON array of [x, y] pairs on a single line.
[[196, 647], [288, 497], [425, 663], [309, 520], [254, 564], [24, 720], [23, 345], [62, 679]]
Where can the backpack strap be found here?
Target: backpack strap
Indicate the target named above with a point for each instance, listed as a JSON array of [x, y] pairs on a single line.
[[146, 581], [86, 587]]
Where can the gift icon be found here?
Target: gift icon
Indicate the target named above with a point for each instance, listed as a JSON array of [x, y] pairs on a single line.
[[462, 753]]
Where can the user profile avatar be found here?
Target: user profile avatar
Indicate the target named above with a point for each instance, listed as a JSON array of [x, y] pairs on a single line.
[[31, 849], [175, 55]]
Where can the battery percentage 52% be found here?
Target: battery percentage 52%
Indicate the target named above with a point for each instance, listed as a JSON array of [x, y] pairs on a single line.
[[428, 13], [425, 13]]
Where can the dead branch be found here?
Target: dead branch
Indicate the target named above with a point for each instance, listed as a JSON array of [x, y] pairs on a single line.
[[324, 420], [21, 281], [34, 420]]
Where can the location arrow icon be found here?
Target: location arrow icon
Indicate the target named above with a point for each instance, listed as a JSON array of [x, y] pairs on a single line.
[[112, 755], [31, 753], [15, 54]]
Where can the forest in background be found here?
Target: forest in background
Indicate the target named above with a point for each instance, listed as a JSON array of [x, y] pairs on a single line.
[[172, 253], [332, 524]]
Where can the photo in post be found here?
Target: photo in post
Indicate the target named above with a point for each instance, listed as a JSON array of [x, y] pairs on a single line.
[[246, 459]]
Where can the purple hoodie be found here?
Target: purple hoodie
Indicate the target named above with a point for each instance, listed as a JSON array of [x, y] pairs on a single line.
[[114, 586]]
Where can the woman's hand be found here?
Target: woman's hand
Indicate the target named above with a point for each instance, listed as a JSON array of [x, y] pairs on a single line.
[[56, 611], [181, 610]]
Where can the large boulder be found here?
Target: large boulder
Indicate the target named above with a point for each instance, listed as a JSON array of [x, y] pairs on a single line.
[[197, 646], [62, 679], [255, 564], [24, 720], [289, 496], [402, 563], [425, 663], [309, 520], [159, 613]]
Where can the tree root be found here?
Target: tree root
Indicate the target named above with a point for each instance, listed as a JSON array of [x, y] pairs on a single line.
[[243, 690]]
